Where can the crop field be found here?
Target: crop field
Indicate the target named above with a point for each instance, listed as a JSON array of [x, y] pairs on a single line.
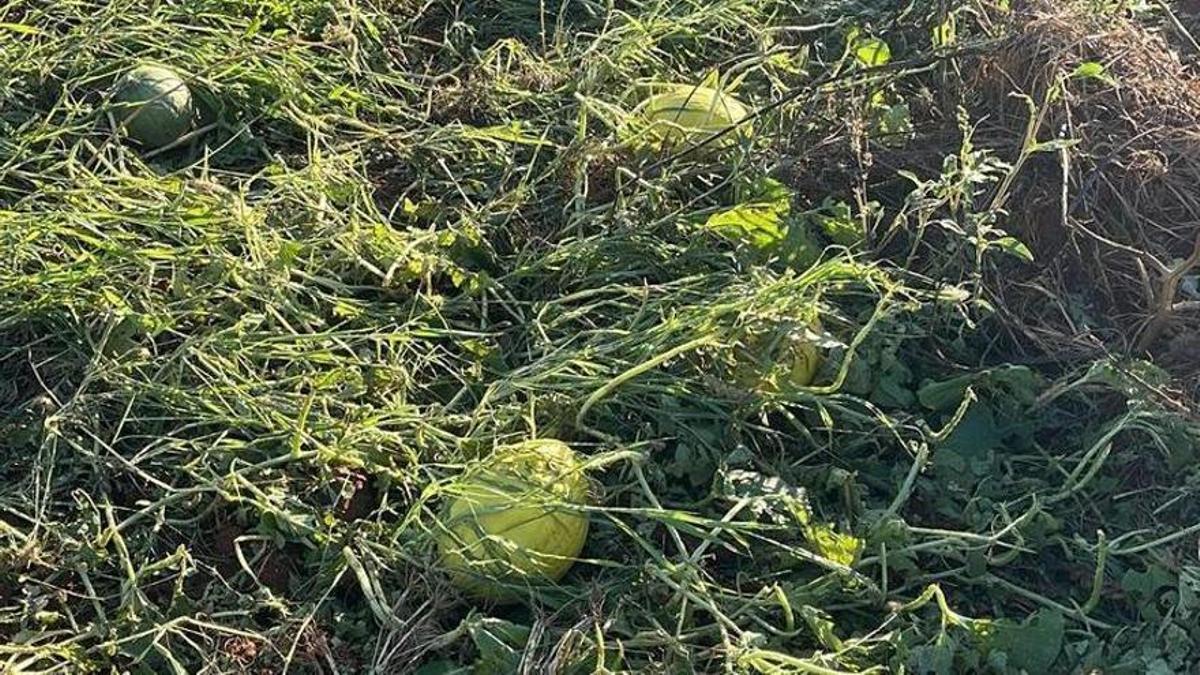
[[600, 336]]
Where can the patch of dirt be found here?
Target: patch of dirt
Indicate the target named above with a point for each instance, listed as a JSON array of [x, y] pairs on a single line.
[[361, 501], [275, 571]]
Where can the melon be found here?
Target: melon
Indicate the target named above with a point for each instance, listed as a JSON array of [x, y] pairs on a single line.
[[685, 115], [154, 105], [775, 360], [515, 520]]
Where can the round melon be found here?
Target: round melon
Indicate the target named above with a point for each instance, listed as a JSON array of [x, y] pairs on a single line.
[[686, 115], [154, 105], [515, 520], [774, 360]]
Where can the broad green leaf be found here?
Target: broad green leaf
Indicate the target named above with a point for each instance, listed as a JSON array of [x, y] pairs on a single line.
[[894, 123], [763, 229], [935, 659], [838, 223], [872, 52], [1144, 588], [758, 225], [1033, 645], [771, 193], [975, 437]]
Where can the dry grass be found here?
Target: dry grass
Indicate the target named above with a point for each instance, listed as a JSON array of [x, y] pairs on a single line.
[[1119, 238]]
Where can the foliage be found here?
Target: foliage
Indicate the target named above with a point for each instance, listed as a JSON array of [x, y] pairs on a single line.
[[240, 374]]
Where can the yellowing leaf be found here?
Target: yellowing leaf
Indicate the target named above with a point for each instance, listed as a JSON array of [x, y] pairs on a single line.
[[945, 34]]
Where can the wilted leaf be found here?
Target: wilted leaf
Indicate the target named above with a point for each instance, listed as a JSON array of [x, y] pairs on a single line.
[[945, 34], [1018, 383], [513, 132]]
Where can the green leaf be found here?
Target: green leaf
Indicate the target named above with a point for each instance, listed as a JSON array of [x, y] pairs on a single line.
[[1033, 645], [975, 437], [1015, 247], [1093, 70], [872, 52], [822, 625], [771, 193], [894, 121], [759, 225], [500, 644], [935, 659], [837, 222], [764, 230], [1144, 587]]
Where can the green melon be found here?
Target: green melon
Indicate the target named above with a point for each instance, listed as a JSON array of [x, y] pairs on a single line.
[[511, 520], [154, 105], [686, 115], [772, 360]]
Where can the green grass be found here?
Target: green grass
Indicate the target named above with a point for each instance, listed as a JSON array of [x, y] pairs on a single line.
[[238, 374]]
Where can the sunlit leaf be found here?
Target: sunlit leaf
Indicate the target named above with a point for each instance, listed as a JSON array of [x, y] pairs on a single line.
[[1015, 247], [872, 52]]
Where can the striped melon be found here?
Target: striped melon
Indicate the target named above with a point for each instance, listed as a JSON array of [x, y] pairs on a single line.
[[686, 115], [154, 105]]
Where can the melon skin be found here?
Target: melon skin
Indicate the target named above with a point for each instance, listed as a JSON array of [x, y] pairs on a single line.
[[154, 105], [511, 520], [687, 115]]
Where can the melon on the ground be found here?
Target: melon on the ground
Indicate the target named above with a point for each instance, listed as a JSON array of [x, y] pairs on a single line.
[[777, 360], [688, 115], [154, 105], [515, 519]]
